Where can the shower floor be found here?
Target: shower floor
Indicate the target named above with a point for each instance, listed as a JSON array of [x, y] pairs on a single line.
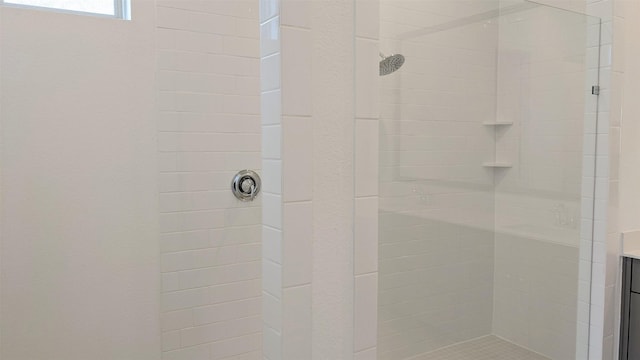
[[485, 348]]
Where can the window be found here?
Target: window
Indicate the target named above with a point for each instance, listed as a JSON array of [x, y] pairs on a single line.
[[109, 8]]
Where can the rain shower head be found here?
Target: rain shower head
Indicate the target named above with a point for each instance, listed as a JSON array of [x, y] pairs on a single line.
[[390, 64]]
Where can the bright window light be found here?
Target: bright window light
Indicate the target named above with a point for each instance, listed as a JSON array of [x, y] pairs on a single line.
[[111, 8]]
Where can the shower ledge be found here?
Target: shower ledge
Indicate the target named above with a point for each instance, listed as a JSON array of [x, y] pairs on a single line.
[[497, 165], [497, 123]]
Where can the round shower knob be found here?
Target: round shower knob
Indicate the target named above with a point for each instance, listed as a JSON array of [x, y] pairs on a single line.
[[246, 185]]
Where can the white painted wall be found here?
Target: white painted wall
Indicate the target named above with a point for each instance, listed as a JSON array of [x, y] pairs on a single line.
[[79, 187], [94, 169], [627, 199], [630, 144]]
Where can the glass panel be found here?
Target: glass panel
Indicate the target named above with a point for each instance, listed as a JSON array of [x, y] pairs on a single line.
[[486, 162], [105, 7]]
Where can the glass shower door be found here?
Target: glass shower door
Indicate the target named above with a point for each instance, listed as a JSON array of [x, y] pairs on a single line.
[[486, 165]]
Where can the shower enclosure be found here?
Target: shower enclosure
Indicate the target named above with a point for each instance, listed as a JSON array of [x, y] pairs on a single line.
[[486, 180]]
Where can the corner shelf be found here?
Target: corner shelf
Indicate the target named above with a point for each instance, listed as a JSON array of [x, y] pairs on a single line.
[[497, 165], [497, 123]]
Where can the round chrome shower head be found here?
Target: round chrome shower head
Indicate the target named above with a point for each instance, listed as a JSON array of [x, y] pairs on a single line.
[[390, 64]]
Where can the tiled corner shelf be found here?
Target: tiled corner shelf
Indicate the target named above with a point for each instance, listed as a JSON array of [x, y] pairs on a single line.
[[497, 165], [497, 123]]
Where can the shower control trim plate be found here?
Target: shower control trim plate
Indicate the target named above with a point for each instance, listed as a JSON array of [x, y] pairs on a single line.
[[246, 185]]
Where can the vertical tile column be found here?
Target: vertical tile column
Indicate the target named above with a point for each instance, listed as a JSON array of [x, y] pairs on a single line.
[[332, 24], [366, 179], [308, 158], [287, 177], [307, 49]]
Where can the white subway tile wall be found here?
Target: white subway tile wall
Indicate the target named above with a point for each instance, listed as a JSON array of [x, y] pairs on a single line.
[[209, 84], [209, 128], [287, 162], [366, 166], [272, 230]]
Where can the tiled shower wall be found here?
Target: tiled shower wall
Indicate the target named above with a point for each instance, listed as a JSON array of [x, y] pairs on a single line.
[[194, 299], [436, 198], [308, 140], [209, 128]]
